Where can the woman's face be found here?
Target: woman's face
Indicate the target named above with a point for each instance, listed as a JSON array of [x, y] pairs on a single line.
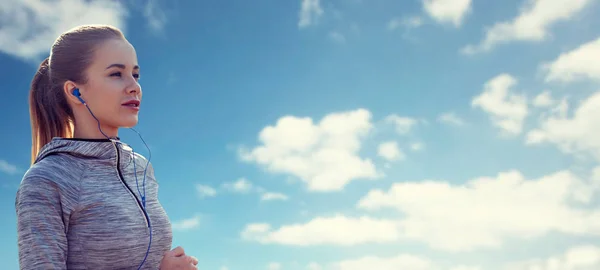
[[112, 90]]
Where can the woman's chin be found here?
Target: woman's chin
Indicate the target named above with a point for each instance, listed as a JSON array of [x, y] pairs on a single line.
[[128, 123]]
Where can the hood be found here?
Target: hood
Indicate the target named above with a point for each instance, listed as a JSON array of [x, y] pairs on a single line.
[[83, 148]]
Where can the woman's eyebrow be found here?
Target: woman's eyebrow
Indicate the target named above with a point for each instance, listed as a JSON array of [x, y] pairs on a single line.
[[136, 67]]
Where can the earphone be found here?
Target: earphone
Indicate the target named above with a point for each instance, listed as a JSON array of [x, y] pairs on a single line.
[[77, 94]]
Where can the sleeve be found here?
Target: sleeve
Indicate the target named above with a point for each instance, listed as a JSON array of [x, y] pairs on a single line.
[[41, 231]]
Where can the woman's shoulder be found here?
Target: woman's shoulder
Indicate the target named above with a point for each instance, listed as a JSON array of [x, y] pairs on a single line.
[[59, 170], [51, 181]]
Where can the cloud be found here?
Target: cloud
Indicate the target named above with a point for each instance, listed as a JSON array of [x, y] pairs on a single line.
[[483, 212], [390, 151], [417, 146], [451, 119], [401, 261], [205, 191], [334, 230], [578, 134], [479, 214], [403, 124], [274, 266], [394, 262], [465, 267], [155, 15], [337, 37], [447, 11], [507, 110], [242, 185], [310, 12], [532, 24], [576, 64], [323, 155], [187, 224], [29, 28], [409, 22], [8, 168], [272, 196], [582, 257], [314, 266], [542, 100]]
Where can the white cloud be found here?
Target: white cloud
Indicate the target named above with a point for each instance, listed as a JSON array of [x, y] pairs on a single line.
[[29, 28], [224, 268], [323, 155], [576, 64], [187, 224], [314, 266], [274, 266], [447, 11], [485, 211], [390, 151], [465, 267], [255, 229], [7, 168], [576, 135], [394, 262], [403, 124], [155, 15], [241, 185], [337, 37], [310, 12], [205, 191], [544, 99], [272, 196], [532, 24], [334, 230], [451, 119], [409, 22], [401, 261], [479, 214], [583, 257], [507, 110], [417, 146]]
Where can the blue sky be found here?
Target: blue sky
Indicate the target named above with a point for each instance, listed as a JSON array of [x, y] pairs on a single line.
[[349, 134]]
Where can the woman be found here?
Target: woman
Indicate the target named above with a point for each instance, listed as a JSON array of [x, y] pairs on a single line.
[[88, 201]]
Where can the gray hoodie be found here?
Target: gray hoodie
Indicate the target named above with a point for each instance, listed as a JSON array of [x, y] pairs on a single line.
[[78, 207]]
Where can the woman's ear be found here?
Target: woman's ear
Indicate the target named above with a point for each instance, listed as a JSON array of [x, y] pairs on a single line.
[[70, 90]]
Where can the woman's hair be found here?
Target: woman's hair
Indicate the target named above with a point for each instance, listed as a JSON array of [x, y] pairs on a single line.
[[70, 56]]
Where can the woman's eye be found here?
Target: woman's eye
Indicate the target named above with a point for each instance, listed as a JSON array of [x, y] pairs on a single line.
[[118, 74]]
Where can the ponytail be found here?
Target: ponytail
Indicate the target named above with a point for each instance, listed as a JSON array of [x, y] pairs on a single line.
[[50, 114]]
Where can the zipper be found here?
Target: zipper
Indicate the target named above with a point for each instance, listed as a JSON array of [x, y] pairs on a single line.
[[146, 218]]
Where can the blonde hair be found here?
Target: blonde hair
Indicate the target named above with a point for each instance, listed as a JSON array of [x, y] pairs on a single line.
[[71, 54]]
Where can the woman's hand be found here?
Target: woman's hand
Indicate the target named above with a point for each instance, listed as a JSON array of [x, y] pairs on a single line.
[[176, 259]]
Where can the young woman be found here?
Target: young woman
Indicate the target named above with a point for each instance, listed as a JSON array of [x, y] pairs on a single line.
[[89, 201]]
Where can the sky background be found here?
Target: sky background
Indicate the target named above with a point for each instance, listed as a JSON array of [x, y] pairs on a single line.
[[348, 134]]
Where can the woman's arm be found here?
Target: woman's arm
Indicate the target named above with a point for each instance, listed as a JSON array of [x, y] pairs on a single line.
[[41, 230]]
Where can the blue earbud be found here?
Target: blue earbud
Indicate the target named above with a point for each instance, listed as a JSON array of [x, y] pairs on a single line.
[[78, 95]]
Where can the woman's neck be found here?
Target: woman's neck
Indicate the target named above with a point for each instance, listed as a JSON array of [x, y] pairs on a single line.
[[93, 132]]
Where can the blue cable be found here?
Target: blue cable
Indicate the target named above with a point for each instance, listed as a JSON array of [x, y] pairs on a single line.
[[144, 188], [84, 103], [147, 163], [143, 197]]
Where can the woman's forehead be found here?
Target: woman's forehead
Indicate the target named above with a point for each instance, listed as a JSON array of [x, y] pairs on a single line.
[[114, 52]]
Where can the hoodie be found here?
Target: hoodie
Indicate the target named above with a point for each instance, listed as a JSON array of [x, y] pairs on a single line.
[[78, 207]]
